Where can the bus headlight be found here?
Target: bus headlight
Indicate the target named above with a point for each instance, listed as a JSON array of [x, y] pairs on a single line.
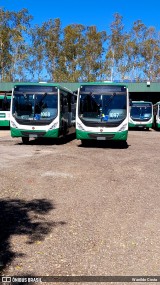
[[13, 125], [54, 126], [123, 128], [80, 127]]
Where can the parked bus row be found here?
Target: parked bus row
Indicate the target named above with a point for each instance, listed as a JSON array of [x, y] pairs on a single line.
[[145, 115], [97, 111]]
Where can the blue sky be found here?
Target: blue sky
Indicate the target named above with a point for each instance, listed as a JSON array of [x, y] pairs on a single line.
[[89, 12]]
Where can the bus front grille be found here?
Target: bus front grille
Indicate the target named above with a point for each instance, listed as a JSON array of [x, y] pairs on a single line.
[[103, 136], [36, 134], [140, 119]]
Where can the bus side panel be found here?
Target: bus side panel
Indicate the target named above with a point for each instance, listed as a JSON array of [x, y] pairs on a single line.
[[5, 110], [4, 119]]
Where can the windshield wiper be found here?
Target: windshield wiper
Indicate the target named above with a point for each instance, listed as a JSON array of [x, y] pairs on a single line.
[[110, 99], [39, 105], [107, 104]]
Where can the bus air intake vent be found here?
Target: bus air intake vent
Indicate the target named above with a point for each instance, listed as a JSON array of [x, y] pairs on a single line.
[[105, 136], [38, 134]]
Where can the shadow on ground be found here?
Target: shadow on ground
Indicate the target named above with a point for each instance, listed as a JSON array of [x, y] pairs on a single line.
[[4, 128], [19, 217], [104, 144], [50, 141], [139, 129]]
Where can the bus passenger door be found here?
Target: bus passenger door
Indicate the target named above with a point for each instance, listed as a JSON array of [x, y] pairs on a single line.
[[64, 113], [155, 115], [71, 109]]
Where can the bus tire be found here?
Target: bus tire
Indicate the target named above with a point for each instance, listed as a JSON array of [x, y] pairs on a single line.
[[85, 142], [123, 144], [25, 140]]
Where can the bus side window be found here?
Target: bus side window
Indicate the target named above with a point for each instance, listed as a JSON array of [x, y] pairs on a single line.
[[5, 104]]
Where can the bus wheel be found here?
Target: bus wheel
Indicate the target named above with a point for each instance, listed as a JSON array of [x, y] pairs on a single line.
[[85, 142], [25, 140], [123, 144]]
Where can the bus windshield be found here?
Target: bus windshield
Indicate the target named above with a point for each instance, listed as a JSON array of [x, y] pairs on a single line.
[[35, 106], [107, 107], [141, 111]]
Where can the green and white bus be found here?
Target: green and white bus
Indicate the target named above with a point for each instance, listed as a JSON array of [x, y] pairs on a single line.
[[42, 110], [141, 114], [102, 112], [156, 114], [5, 100]]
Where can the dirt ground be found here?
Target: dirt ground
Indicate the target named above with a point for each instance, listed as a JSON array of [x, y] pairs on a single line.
[[66, 209]]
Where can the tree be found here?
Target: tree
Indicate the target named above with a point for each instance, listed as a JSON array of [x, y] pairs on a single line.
[[52, 40], [73, 51], [13, 30], [19, 24], [5, 47], [77, 52], [92, 65], [116, 47], [36, 61], [151, 54], [133, 50]]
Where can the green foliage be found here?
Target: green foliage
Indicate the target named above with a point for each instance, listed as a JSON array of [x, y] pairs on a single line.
[[76, 52], [13, 32]]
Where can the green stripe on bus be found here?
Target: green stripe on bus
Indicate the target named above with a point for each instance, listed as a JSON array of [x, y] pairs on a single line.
[[48, 134], [80, 135]]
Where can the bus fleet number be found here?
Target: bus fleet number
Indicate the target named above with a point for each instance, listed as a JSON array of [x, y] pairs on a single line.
[[114, 115]]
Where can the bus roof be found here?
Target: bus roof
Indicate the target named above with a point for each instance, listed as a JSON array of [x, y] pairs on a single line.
[[41, 84], [103, 83], [102, 87]]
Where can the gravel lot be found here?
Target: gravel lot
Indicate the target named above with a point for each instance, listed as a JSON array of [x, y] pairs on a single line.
[[72, 210]]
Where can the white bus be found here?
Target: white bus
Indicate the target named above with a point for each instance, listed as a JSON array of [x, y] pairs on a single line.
[[102, 112], [42, 110], [5, 100], [141, 115]]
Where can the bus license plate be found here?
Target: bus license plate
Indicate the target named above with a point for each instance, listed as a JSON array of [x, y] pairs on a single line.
[[33, 136], [101, 138]]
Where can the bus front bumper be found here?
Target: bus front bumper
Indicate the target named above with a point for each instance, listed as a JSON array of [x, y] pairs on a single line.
[[82, 135], [140, 125], [34, 134]]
